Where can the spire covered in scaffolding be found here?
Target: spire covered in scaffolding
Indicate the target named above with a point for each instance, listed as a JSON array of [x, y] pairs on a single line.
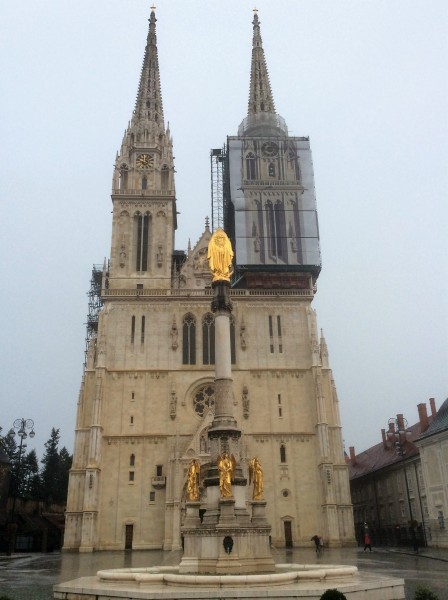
[[260, 94]]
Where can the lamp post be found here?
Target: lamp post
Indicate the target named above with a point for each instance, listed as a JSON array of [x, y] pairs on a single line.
[[399, 434], [22, 426]]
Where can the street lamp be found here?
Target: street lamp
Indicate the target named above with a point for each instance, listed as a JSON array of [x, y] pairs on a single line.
[[22, 425], [399, 434]]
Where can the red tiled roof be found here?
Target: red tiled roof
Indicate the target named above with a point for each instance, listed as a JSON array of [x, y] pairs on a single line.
[[380, 456]]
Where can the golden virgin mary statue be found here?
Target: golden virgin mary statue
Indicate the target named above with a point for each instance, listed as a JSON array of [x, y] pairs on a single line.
[[220, 256]]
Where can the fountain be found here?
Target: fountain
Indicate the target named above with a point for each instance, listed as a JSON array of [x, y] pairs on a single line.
[[227, 552]]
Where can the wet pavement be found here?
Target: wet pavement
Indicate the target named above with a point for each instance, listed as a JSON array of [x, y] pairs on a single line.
[[32, 576]]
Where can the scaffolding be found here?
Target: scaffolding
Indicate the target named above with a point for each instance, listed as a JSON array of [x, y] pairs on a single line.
[[95, 304], [217, 160]]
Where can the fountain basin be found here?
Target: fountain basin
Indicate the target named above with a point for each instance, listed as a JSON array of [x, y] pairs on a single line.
[[287, 582]]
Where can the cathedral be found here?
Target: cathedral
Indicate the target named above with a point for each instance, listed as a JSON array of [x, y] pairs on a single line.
[[147, 395]]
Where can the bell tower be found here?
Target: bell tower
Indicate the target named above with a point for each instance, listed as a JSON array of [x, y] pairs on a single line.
[[270, 208], [143, 193]]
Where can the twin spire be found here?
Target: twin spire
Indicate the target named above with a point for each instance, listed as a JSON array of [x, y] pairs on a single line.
[[260, 94], [149, 106]]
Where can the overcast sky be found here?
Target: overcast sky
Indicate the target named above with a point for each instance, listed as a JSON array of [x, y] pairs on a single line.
[[366, 80]]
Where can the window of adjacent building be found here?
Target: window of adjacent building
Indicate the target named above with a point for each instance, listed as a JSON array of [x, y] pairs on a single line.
[[251, 166], [402, 509], [132, 460], [208, 339], [132, 329], [142, 241], [131, 475], [425, 508], [441, 519], [421, 481], [410, 479], [189, 340], [283, 453]]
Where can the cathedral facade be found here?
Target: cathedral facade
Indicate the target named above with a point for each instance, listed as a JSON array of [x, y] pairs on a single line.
[[147, 394]]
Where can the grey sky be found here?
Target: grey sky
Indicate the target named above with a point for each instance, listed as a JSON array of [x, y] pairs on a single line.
[[366, 80]]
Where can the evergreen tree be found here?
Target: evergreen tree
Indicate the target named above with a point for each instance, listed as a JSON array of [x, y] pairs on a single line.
[[65, 459], [12, 450], [54, 475], [30, 476], [50, 470]]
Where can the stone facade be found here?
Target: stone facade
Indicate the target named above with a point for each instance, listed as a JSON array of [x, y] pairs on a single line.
[[147, 394]]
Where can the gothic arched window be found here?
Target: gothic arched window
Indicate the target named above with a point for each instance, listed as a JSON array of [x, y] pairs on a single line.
[[276, 224], [189, 340], [271, 170], [251, 166], [142, 240], [208, 339], [144, 183]]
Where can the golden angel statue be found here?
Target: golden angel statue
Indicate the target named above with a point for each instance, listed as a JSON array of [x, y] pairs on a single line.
[[226, 466], [256, 475], [194, 471], [220, 256]]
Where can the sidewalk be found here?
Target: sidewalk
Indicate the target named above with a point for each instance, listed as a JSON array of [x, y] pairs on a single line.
[[428, 552]]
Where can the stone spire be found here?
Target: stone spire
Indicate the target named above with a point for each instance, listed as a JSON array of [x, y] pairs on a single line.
[[261, 120], [148, 105], [260, 95]]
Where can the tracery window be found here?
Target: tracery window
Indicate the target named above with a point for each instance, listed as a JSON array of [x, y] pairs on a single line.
[[189, 340], [204, 399], [208, 339]]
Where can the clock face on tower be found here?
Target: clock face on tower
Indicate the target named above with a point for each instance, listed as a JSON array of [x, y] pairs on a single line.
[[144, 161], [269, 149]]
